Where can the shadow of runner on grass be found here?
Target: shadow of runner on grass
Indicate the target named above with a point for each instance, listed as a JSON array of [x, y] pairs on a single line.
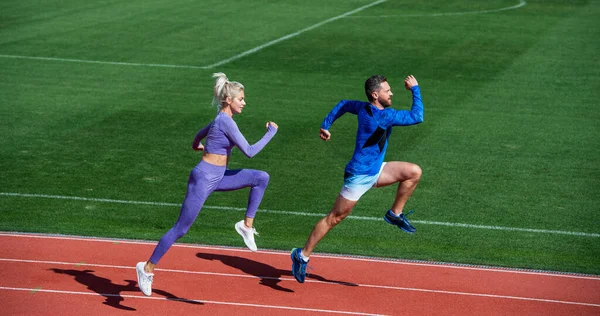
[[112, 291], [268, 275]]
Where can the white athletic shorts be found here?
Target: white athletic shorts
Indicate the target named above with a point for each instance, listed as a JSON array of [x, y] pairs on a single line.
[[357, 185]]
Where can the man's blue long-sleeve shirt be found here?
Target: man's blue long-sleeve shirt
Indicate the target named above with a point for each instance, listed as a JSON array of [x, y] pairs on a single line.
[[374, 130]]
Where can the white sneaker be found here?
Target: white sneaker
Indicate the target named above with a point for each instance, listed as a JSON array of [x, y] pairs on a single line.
[[247, 234], [144, 279]]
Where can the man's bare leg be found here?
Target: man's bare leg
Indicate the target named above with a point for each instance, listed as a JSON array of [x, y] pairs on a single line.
[[341, 208], [407, 175]]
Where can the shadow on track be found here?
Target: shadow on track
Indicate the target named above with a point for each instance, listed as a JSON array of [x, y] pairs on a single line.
[[111, 291], [268, 275]]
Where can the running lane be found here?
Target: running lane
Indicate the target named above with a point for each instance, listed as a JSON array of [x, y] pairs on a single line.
[[70, 276]]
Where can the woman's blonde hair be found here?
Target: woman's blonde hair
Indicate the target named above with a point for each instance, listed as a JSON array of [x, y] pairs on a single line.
[[224, 88]]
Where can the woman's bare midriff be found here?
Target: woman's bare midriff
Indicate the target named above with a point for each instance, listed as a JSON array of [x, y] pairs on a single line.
[[215, 159]]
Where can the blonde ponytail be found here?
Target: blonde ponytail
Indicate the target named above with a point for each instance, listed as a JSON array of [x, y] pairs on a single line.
[[224, 88]]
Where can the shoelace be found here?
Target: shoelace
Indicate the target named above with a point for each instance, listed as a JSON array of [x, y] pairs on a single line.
[[149, 277], [410, 212], [304, 266], [250, 231]]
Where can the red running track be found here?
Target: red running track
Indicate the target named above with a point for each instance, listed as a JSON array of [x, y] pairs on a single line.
[[61, 275]]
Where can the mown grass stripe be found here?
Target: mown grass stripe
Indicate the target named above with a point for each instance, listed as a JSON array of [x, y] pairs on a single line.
[[219, 63], [291, 35]]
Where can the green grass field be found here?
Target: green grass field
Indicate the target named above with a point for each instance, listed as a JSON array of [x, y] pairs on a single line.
[[101, 100]]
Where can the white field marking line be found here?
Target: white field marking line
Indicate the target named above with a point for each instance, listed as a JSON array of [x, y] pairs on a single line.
[[219, 63], [101, 62], [286, 37], [387, 287], [186, 300], [522, 3], [335, 257], [449, 224]]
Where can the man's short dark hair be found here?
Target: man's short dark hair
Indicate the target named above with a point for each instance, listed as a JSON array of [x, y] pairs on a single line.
[[373, 84]]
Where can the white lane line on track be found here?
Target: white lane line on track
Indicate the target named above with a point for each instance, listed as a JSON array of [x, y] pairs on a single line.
[[448, 224], [397, 288], [521, 3], [186, 300], [441, 265]]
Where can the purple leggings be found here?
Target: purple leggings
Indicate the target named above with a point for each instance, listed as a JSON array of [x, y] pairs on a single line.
[[204, 179]]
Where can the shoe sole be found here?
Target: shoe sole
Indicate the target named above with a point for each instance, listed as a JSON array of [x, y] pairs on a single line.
[[403, 229]]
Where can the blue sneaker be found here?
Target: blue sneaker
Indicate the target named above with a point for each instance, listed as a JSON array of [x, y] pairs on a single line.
[[400, 221], [298, 265]]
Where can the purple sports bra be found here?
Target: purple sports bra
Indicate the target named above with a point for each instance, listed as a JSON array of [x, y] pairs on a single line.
[[223, 133]]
